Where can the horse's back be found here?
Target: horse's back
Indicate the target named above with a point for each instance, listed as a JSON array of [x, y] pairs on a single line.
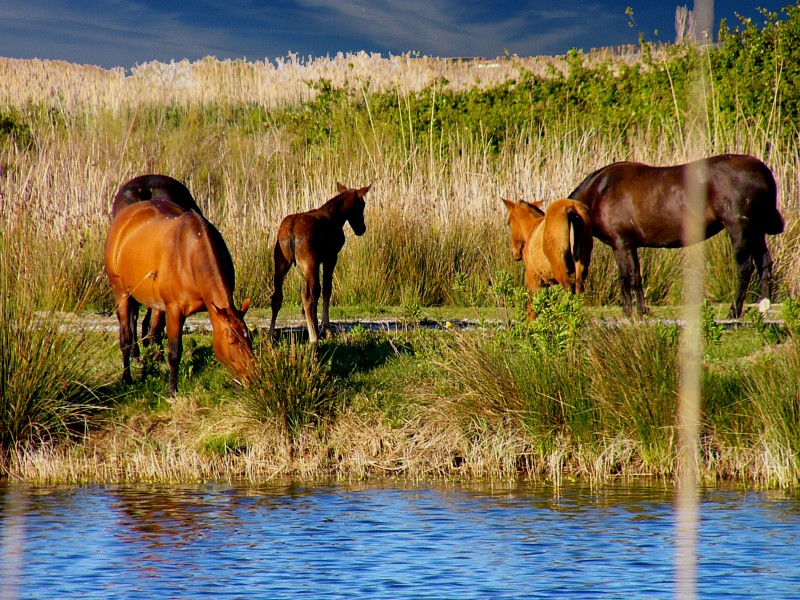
[[151, 246], [153, 187], [647, 203], [308, 236]]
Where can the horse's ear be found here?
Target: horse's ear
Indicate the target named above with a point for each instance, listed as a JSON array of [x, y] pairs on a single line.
[[362, 192], [340, 187], [245, 305], [509, 204]]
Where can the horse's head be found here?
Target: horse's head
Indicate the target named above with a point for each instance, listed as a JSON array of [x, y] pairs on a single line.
[[232, 343], [353, 207], [521, 218]]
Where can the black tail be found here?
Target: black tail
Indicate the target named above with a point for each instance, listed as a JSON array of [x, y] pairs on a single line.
[[576, 226], [774, 224]]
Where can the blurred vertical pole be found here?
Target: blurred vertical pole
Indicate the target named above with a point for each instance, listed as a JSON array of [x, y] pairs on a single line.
[[686, 559], [12, 542]]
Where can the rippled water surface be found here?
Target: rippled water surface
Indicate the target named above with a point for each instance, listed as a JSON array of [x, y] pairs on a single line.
[[388, 541]]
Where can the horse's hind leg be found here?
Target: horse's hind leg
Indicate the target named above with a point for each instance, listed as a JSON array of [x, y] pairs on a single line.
[[311, 291], [133, 318], [327, 290], [126, 305], [630, 279], [282, 266], [155, 322], [175, 320], [763, 262]]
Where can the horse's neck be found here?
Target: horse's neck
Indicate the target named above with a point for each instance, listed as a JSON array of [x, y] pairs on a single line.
[[528, 222], [214, 260], [333, 210]]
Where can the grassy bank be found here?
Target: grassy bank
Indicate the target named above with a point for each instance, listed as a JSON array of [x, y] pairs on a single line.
[[580, 396], [441, 142]]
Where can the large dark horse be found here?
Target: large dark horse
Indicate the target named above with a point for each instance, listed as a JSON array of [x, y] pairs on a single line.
[[312, 239], [176, 262], [151, 187], [640, 206]]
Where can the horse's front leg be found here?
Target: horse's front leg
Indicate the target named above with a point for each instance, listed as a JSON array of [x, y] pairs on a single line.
[[638, 287], [175, 321], [534, 283], [327, 290], [630, 278], [745, 266], [764, 267], [311, 291]]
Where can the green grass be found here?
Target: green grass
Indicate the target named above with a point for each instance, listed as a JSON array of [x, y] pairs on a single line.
[[52, 388], [597, 404]]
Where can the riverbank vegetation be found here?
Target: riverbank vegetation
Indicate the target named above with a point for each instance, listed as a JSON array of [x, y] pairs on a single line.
[[441, 141]]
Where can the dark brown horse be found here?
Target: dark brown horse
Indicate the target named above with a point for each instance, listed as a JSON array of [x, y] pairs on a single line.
[[176, 262], [312, 239], [151, 187], [639, 206]]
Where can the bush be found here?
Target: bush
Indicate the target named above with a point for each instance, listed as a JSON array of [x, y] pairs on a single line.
[[48, 376], [291, 383]]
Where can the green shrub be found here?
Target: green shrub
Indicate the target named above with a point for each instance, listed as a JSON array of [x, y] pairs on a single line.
[[292, 383], [49, 376], [634, 383]]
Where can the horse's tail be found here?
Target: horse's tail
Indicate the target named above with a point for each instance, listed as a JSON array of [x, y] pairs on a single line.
[[581, 241], [772, 221], [775, 223]]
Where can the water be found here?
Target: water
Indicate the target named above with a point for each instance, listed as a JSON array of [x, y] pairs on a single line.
[[388, 541]]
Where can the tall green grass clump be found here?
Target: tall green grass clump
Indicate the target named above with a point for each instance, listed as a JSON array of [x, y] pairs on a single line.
[[49, 377], [635, 376], [773, 393], [528, 378], [292, 383]]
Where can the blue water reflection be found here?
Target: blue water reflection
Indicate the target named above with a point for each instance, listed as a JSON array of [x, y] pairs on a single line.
[[388, 541]]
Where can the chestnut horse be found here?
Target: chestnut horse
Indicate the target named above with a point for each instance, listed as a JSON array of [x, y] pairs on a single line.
[[151, 187], [176, 262], [312, 239], [639, 206], [555, 244]]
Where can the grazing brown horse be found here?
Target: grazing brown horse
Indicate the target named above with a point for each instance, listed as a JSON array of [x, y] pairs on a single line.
[[635, 205], [151, 187], [176, 262], [312, 239], [555, 244]]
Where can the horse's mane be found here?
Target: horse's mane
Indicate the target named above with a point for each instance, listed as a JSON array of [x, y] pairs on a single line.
[[533, 207], [578, 191], [335, 200]]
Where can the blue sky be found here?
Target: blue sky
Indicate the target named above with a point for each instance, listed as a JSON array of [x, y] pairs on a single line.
[[113, 33]]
